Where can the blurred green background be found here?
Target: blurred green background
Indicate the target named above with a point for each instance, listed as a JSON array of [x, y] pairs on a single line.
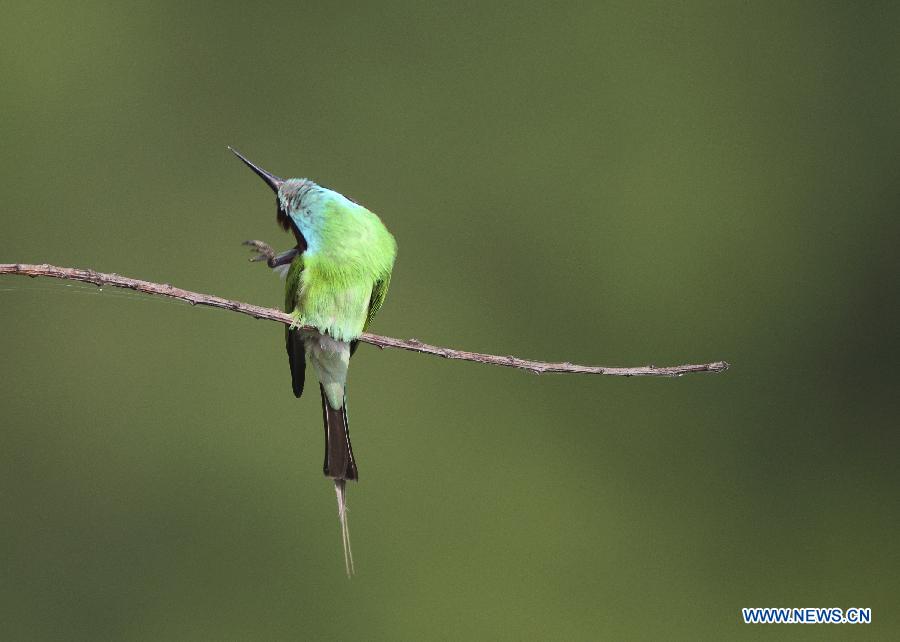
[[616, 184]]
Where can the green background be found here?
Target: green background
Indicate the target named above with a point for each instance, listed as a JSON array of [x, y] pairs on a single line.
[[614, 184]]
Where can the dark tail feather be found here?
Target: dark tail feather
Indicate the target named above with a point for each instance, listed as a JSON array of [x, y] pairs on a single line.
[[339, 461]]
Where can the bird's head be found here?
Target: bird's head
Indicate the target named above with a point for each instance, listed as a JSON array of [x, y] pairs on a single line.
[[291, 195]]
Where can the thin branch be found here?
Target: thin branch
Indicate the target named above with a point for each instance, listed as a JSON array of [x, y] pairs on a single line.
[[195, 298]]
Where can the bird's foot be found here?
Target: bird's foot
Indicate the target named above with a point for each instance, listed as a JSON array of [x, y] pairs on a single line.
[[296, 320], [264, 252]]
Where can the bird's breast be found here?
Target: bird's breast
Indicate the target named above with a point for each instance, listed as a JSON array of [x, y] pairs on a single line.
[[334, 304]]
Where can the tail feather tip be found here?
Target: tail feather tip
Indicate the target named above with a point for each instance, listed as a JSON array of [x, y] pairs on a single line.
[[341, 492]]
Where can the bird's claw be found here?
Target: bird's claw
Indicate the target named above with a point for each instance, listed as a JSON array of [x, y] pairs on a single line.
[[264, 251]]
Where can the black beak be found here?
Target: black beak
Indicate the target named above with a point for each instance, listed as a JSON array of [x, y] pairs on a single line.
[[271, 180]]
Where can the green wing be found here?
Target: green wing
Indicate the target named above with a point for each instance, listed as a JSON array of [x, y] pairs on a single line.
[[292, 283], [379, 294], [293, 343]]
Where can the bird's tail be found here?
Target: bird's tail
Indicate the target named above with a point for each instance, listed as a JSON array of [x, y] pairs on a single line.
[[339, 461], [339, 465], [341, 492]]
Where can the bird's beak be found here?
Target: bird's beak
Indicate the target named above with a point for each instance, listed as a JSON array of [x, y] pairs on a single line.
[[271, 180]]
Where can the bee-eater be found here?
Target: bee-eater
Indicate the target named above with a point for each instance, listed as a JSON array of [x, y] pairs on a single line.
[[337, 279]]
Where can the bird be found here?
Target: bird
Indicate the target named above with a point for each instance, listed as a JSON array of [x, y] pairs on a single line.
[[336, 279]]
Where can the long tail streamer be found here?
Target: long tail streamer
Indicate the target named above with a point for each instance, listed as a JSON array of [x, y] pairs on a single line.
[[341, 492]]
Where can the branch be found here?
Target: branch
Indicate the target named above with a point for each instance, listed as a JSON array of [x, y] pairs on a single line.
[[195, 298]]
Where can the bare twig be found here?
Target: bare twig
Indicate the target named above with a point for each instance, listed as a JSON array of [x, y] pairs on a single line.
[[195, 298]]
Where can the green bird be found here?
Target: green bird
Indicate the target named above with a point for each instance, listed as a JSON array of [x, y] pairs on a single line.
[[337, 278]]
